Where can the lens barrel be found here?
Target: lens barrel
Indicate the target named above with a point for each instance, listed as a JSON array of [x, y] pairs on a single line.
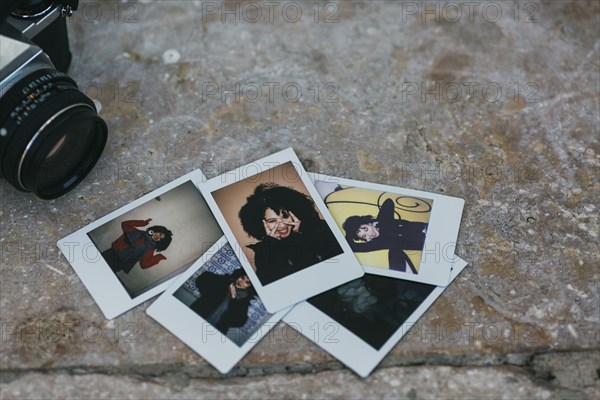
[[50, 134], [32, 8]]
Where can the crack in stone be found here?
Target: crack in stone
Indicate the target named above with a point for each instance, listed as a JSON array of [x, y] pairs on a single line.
[[557, 370], [178, 377]]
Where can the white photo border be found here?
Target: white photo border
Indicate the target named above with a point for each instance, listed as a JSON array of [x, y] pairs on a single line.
[[347, 347], [191, 329], [101, 282], [441, 237], [303, 284]]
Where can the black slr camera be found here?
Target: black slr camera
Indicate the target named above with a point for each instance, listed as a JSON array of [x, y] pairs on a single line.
[[50, 132]]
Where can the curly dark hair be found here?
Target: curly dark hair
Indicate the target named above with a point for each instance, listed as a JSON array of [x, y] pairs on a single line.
[[280, 199], [353, 223], [164, 243]]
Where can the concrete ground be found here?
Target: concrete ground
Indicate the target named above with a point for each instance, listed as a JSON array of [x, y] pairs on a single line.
[[495, 102]]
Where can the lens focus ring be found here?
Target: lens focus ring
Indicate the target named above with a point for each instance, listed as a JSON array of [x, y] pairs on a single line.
[[40, 110]]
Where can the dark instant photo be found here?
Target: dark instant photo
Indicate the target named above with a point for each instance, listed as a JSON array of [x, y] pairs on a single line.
[[373, 307]]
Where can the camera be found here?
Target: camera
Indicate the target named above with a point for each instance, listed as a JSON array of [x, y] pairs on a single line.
[[50, 133]]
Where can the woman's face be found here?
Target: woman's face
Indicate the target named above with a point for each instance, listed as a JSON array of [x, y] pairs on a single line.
[[242, 282], [157, 236], [281, 223], [367, 232]]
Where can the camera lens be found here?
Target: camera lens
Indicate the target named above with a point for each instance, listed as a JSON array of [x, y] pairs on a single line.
[[50, 134]]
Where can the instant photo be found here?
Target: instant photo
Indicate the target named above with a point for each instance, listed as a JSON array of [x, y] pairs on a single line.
[[285, 238], [373, 307], [395, 232], [221, 293], [214, 309], [361, 321], [129, 255]]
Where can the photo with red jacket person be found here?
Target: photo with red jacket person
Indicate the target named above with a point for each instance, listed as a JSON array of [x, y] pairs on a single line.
[[136, 245]]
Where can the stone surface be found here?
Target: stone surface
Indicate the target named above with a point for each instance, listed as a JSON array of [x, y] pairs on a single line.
[[528, 166], [388, 383]]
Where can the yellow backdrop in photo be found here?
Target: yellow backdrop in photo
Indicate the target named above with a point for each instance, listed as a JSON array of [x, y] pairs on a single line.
[[356, 201]]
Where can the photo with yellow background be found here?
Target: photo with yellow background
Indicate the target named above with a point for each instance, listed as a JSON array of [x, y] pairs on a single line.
[[347, 201]]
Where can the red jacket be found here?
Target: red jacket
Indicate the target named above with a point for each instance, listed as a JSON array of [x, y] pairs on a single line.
[[148, 259]]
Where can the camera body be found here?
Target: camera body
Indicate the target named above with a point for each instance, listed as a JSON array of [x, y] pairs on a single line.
[[44, 30], [50, 133]]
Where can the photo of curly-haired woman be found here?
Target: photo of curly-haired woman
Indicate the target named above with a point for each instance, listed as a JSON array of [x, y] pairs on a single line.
[[290, 233], [277, 224], [280, 229]]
